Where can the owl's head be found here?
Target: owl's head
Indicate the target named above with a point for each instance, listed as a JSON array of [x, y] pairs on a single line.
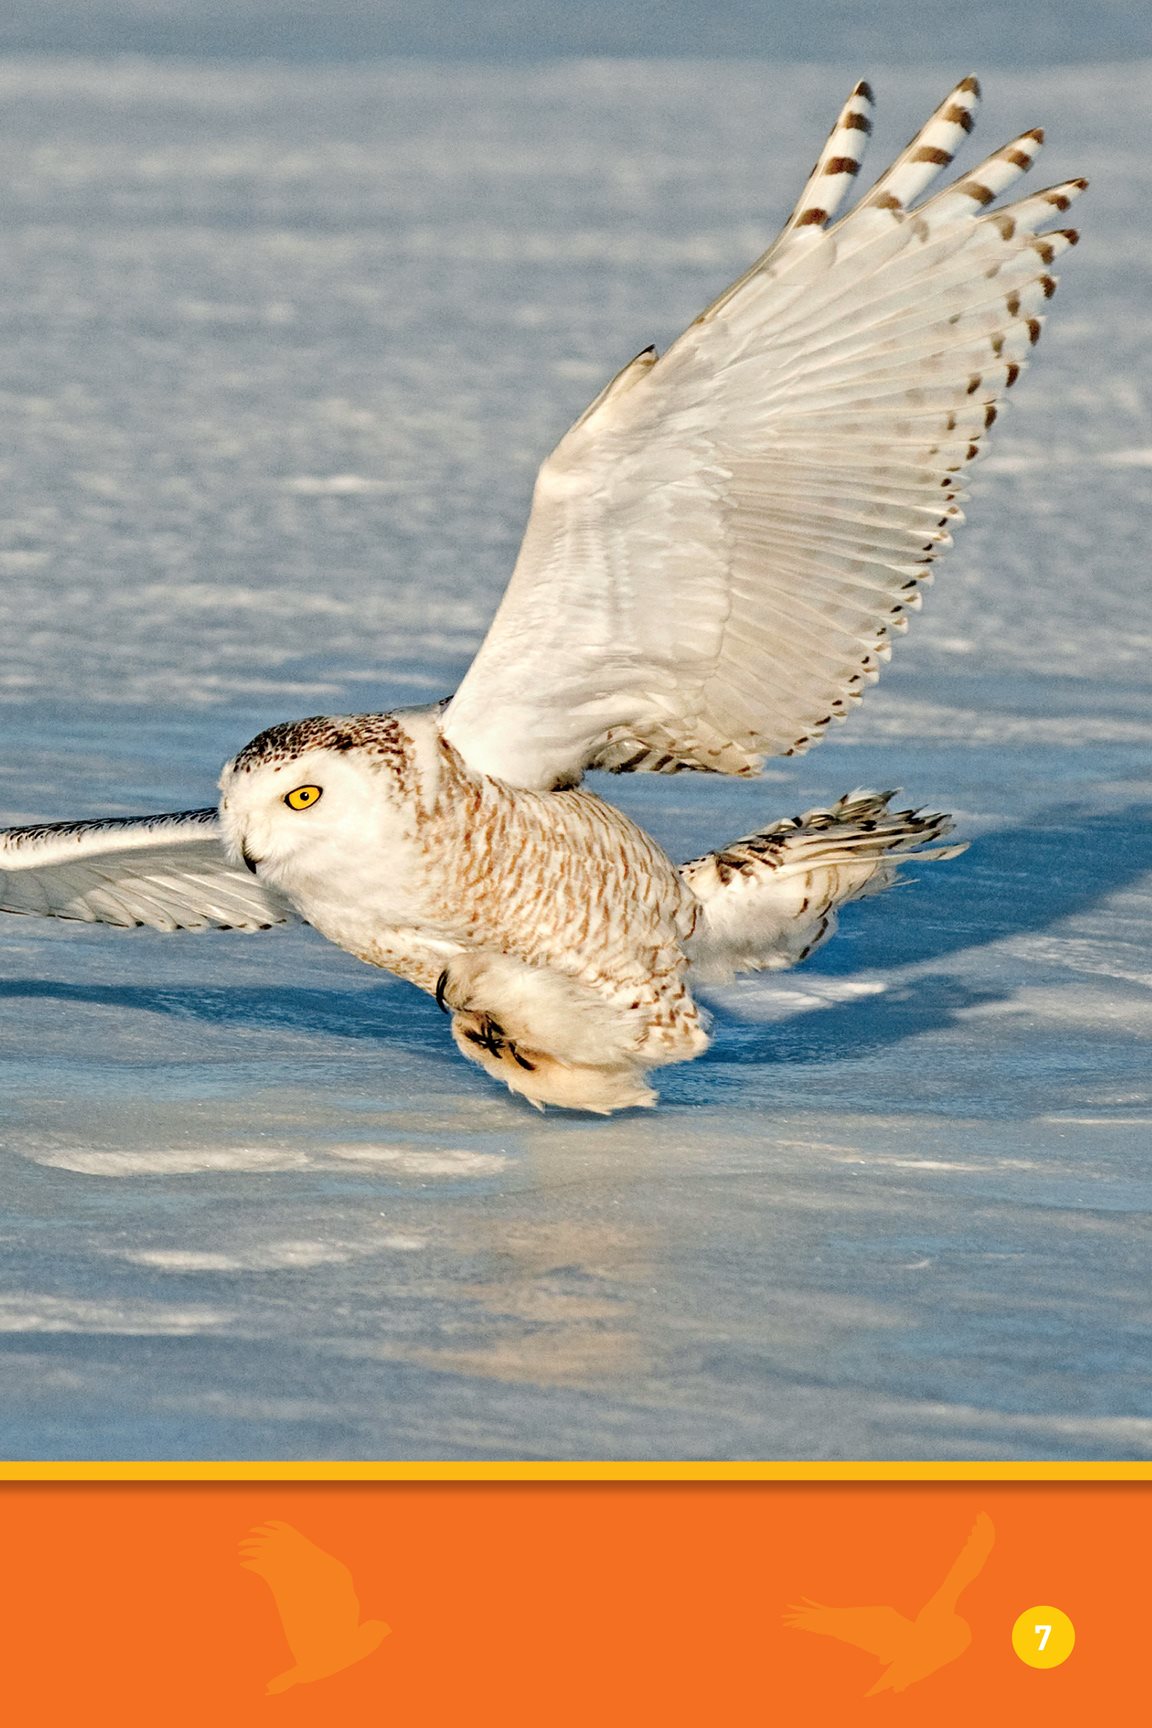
[[305, 795]]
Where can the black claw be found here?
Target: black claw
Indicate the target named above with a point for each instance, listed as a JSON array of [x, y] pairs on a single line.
[[441, 986], [488, 1034], [494, 1039], [488, 1037]]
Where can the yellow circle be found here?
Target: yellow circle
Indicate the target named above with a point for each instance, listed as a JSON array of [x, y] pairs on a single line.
[[1043, 1637]]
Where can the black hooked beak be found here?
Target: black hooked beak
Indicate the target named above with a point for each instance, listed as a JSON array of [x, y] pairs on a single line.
[[441, 986], [249, 860]]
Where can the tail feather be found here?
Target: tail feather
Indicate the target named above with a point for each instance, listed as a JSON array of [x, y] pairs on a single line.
[[772, 897]]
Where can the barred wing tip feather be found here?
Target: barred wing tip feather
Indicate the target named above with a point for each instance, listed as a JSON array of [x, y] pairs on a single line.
[[170, 872], [721, 549]]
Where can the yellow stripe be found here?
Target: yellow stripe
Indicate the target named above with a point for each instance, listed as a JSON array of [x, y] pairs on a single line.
[[863, 1471]]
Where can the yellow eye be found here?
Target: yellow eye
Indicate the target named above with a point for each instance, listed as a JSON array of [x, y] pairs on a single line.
[[302, 797]]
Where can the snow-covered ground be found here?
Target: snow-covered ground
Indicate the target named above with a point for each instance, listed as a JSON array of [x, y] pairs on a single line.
[[279, 351]]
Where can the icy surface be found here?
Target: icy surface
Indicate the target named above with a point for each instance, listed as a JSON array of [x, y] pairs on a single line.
[[280, 351]]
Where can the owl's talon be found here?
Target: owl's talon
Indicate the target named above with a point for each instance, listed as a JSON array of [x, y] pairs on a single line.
[[494, 1038]]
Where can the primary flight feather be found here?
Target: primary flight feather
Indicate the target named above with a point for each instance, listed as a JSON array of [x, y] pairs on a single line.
[[718, 555]]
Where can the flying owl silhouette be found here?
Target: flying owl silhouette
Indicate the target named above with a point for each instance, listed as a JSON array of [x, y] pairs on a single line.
[[910, 1649], [318, 1605], [719, 554]]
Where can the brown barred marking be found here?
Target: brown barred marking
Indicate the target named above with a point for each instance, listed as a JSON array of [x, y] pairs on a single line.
[[842, 165], [812, 217], [631, 762], [1034, 328], [888, 201], [978, 193], [1013, 374], [1048, 283], [857, 123], [960, 116], [990, 414], [1006, 225], [864, 89], [1013, 304], [931, 153], [971, 85], [162, 825], [998, 345], [1019, 158], [974, 384]]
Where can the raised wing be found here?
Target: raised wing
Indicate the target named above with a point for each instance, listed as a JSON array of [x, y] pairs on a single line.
[[170, 872], [721, 548], [317, 1602], [883, 1632], [968, 1564]]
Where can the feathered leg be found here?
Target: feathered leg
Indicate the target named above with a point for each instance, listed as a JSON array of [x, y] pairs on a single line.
[[544, 1035]]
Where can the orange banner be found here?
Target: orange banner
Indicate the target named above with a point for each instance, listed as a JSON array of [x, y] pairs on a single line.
[[555, 1604]]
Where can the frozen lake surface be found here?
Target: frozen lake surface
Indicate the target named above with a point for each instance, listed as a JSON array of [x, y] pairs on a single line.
[[279, 352]]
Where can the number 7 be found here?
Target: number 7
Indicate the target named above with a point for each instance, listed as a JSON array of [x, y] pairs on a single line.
[[1047, 1631]]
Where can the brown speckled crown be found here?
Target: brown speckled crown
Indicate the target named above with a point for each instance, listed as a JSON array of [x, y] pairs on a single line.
[[379, 735]]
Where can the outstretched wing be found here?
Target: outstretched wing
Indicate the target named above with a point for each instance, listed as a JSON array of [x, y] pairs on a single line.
[[721, 548], [968, 1564], [170, 872], [313, 1591], [880, 1631]]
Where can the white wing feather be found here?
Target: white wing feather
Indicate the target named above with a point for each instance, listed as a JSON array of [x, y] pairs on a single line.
[[170, 872], [721, 548]]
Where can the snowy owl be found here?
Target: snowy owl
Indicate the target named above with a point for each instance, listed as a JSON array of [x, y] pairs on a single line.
[[718, 555]]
